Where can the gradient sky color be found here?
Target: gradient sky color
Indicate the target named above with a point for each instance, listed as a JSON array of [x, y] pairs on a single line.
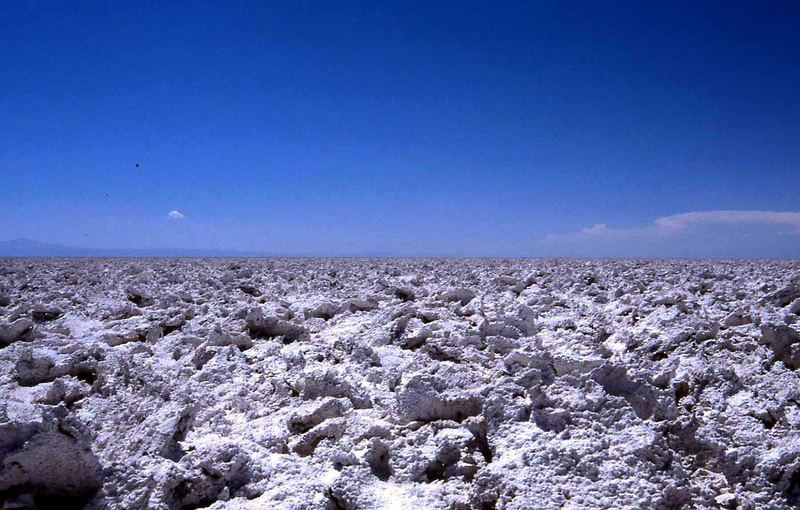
[[402, 128]]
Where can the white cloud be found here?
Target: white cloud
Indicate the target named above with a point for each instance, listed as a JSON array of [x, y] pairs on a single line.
[[699, 233], [175, 215], [676, 223]]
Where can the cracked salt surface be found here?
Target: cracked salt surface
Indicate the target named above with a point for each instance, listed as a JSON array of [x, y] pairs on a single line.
[[393, 383]]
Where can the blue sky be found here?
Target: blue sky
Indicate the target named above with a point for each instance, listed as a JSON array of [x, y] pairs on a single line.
[[446, 128]]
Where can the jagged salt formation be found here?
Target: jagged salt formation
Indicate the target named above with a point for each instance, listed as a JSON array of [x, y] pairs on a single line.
[[435, 384]]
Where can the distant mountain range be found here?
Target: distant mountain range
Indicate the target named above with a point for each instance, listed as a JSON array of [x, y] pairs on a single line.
[[29, 248]]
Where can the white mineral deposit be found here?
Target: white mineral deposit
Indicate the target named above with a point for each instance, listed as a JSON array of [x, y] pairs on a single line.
[[399, 383]]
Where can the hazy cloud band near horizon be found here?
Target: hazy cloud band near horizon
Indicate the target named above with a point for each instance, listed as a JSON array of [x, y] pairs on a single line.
[[676, 223], [694, 233]]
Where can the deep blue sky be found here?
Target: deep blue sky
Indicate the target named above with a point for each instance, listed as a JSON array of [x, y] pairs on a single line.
[[452, 128]]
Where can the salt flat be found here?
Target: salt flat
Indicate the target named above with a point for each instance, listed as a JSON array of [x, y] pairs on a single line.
[[399, 383]]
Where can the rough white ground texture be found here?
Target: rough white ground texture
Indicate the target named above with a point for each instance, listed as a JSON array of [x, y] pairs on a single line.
[[422, 384]]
